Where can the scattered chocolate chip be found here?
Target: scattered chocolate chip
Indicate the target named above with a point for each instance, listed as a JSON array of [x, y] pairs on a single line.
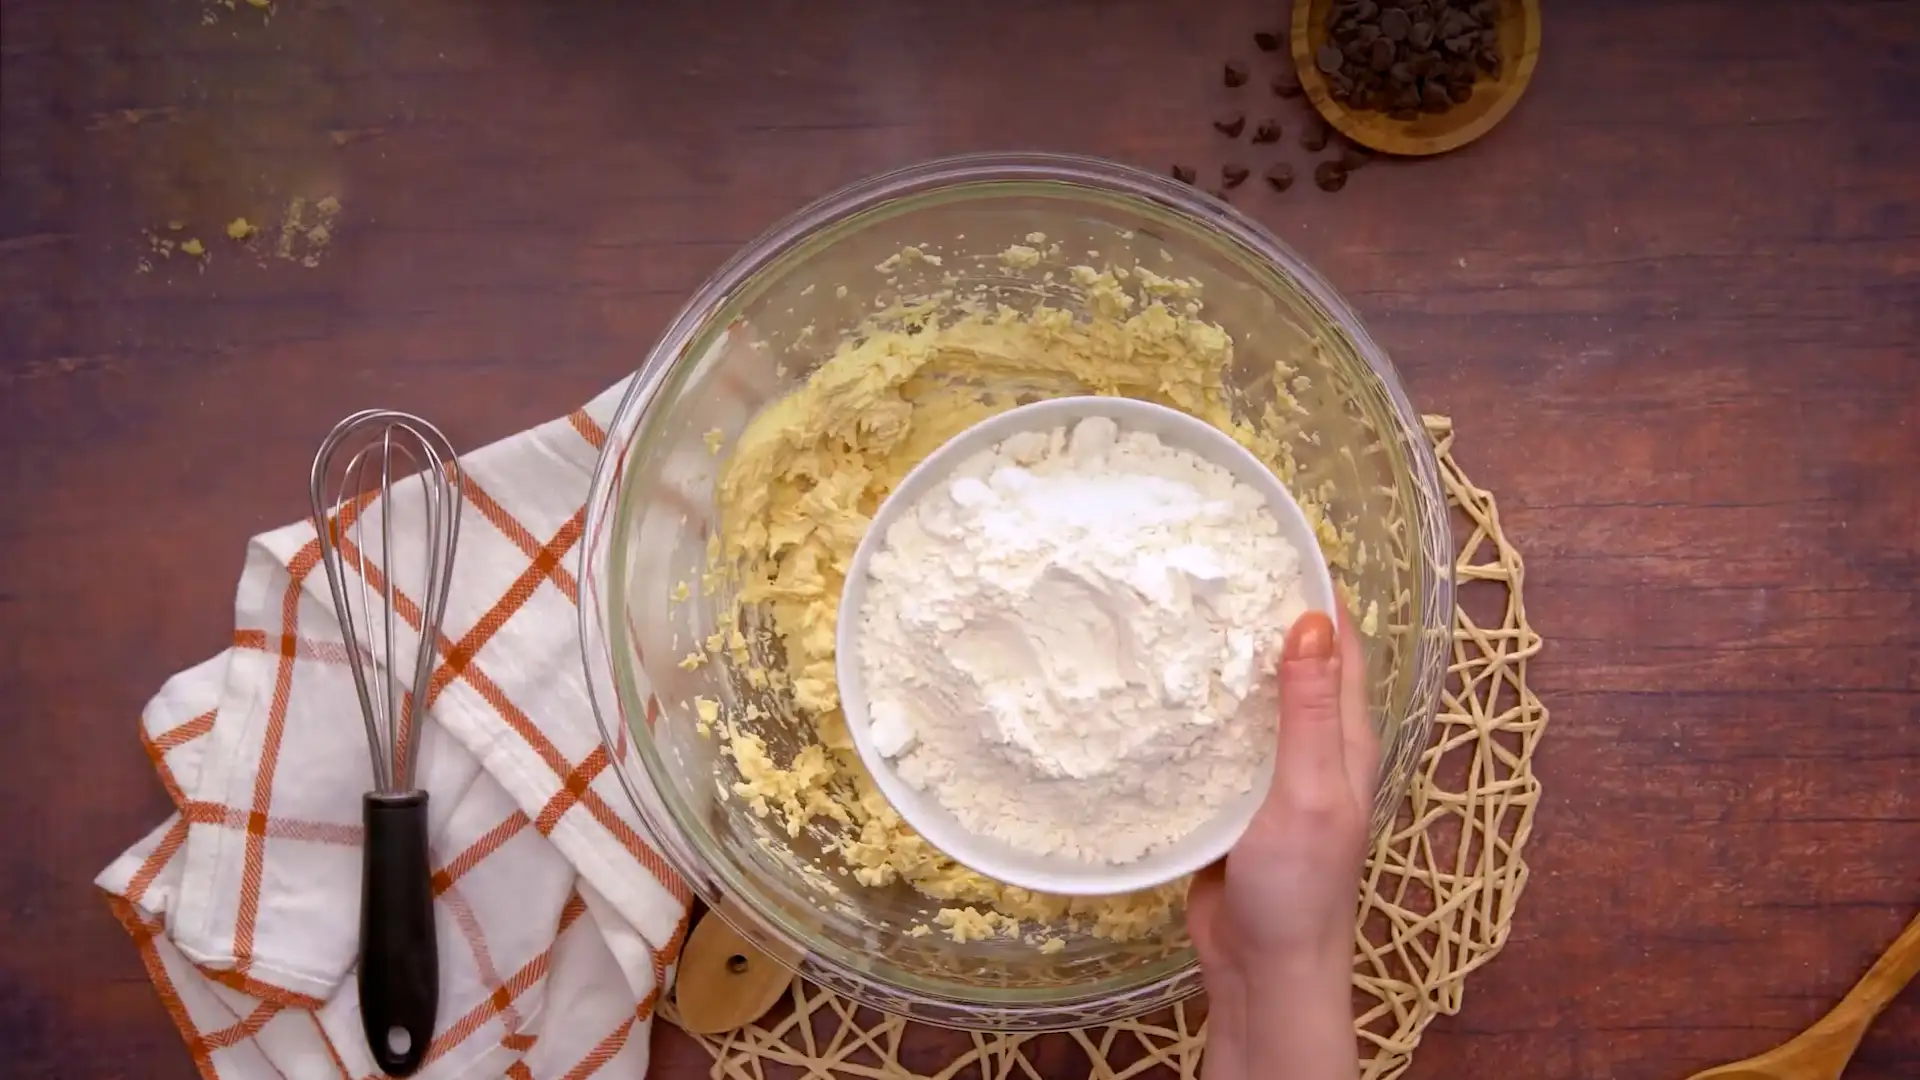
[[1353, 157], [1268, 131], [1235, 74], [1329, 176], [1185, 174], [1280, 177], [1422, 35], [1232, 176], [1231, 124], [1287, 85], [1314, 136], [1328, 59], [1268, 41]]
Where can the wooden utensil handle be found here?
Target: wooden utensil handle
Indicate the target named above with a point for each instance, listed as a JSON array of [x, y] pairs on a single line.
[[725, 981], [1888, 976]]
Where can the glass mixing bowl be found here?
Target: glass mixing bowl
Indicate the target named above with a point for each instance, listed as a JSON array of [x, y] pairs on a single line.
[[755, 331]]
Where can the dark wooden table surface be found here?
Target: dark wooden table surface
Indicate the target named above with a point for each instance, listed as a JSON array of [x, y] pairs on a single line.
[[1672, 303]]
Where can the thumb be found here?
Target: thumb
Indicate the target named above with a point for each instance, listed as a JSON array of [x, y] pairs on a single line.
[[1311, 755]]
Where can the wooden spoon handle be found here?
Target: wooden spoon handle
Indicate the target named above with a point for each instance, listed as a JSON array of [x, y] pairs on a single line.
[[1886, 978], [725, 982]]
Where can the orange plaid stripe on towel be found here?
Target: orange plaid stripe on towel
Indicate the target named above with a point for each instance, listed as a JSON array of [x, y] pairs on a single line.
[[558, 921]]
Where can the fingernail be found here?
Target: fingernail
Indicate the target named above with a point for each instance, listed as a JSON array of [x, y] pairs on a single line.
[[1311, 638]]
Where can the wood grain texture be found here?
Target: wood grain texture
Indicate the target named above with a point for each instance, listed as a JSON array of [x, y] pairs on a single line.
[[1672, 301], [1822, 1051]]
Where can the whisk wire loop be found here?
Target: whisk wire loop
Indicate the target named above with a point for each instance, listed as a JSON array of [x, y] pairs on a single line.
[[384, 452]]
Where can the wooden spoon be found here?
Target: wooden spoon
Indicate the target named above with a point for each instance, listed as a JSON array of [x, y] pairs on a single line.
[[1821, 1052], [726, 982], [1427, 133]]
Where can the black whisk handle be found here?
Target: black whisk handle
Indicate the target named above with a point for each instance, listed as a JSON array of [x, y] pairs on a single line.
[[399, 963]]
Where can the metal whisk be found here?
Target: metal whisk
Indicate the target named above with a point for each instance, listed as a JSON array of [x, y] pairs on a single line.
[[399, 470]]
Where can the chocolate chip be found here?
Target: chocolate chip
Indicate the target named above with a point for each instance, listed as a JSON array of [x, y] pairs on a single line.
[[1230, 124], [1287, 85], [1185, 174], [1280, 177], [1353, 157], [1328, 59], [1404, 56], [1267, 41], [1232, 176], [1235, 74], [1314, 137], [1329, 176], [1268, 131]]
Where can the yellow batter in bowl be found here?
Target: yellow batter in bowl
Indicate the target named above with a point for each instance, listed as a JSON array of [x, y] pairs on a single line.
[[803, 381], [802, 481]]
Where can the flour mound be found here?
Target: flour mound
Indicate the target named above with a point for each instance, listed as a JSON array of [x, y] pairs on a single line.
[[1071, 642]]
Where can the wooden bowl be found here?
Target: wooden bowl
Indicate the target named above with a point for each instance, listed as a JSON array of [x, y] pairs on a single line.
[[1428, 133]]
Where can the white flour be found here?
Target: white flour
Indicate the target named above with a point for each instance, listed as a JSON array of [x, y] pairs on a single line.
[[1070, 643]]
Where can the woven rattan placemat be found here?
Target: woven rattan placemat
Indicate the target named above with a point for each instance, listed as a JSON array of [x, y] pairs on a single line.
[[1442, 886]]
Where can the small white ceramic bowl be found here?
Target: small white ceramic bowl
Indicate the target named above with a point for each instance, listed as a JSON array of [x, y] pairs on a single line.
[[996, 858]]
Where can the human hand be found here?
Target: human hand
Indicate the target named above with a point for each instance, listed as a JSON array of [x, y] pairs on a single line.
[[1273, 921]]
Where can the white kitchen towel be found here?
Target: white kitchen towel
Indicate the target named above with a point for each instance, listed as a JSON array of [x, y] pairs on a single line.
[[558, 921]]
